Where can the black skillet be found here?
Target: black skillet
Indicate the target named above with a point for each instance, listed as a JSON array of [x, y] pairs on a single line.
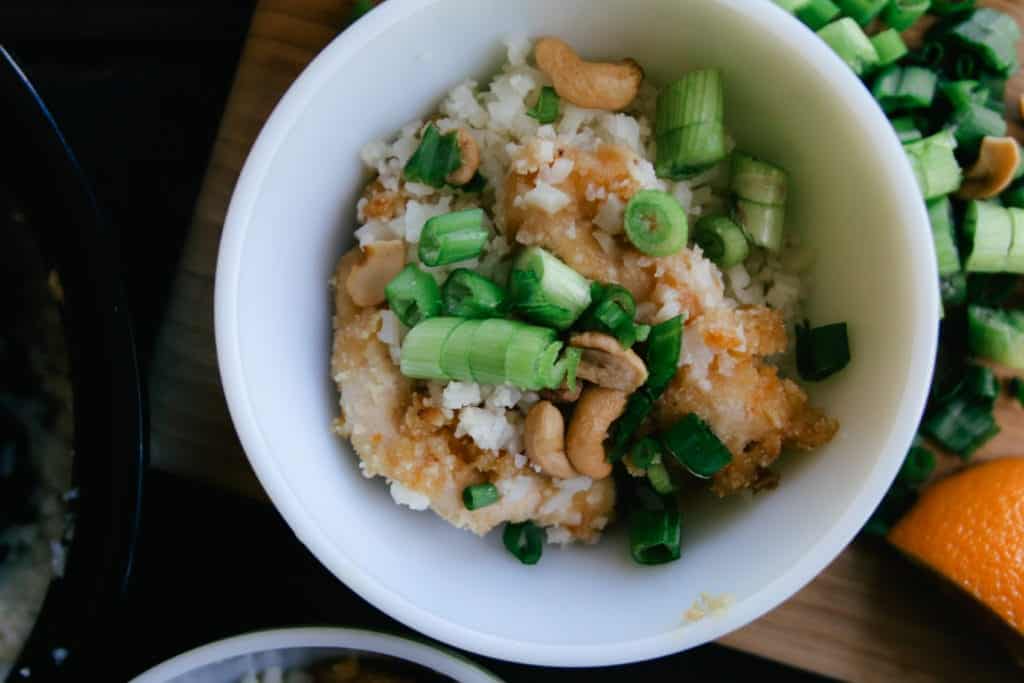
[[37, 165]]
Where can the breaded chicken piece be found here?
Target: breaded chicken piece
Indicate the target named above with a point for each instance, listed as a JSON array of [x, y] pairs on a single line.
[[749, 407], [400, 435]]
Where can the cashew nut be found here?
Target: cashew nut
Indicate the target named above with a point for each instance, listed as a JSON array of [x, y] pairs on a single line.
[[470, 155], [993, 171], [592, 85], [607, 364], [382, 261], [544, 435], [595, 412]]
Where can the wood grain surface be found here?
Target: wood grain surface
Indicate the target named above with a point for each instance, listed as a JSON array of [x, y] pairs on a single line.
[[869, 616]]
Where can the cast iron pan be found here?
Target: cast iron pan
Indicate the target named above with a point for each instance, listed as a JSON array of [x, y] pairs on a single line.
[[109, 425]]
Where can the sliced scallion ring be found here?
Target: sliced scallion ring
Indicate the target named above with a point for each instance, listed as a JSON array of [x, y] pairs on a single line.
[[656, 224]]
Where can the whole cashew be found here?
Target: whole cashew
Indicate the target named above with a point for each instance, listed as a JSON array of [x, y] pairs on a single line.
[[470, 155], [994, 170], [607, 364], [544, 434], [592, 85], [596, 410], [382, 261]]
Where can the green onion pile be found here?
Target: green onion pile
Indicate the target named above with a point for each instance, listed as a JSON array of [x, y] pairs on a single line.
[[944, 99]]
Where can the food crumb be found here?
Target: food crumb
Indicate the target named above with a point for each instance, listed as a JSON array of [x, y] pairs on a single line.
[[707, 605]]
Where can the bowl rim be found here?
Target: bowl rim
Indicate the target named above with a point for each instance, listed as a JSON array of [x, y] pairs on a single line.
[[430, 656], [802, 571]]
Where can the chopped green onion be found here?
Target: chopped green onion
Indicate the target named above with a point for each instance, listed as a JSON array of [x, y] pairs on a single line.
[[849, 41], [953, 289], [962, 93], [436, 157], [996, 334], [988, 229], [993, 36], [689, 125], [935, 165], [645, 453], [1014, 197], [890, 47], [902, 14], [995, 84], [686, 152], [761, 190], [906, 129], [609, 317], [617, 294], [423, 348], [567, 365], [548, 106], [455, 354], [764, 225], [490, 349], [975, 121], [360, 8], [698, 97], [1015, 257], [862, 11], [981, 384], [467, 294], [1016, 388], [722, 241], [656, 223], [453, 237], [547, 291], [961, 426], [660, 478], [898, 499], [946, 7], [663, 349], [817, 13], [611, 311], [940, 214], [917, 466], [966, 66], [900, 88], [525, 540], [821, 351], [480, 496], [695, 446], [654, 536], [413, 296], [522, 358], [638, 407], [550, 370], [758, 181]]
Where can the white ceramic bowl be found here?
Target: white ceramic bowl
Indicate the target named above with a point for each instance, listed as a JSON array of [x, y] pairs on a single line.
[[229, 660], [853, 195]]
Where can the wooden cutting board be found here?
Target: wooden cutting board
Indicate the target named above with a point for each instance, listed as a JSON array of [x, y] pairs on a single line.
[[869, 616]]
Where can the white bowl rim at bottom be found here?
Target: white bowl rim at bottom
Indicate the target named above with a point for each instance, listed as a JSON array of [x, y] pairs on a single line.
[[362, 640]]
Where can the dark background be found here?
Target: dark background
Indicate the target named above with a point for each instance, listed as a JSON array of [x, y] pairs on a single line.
[[139, 89]]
